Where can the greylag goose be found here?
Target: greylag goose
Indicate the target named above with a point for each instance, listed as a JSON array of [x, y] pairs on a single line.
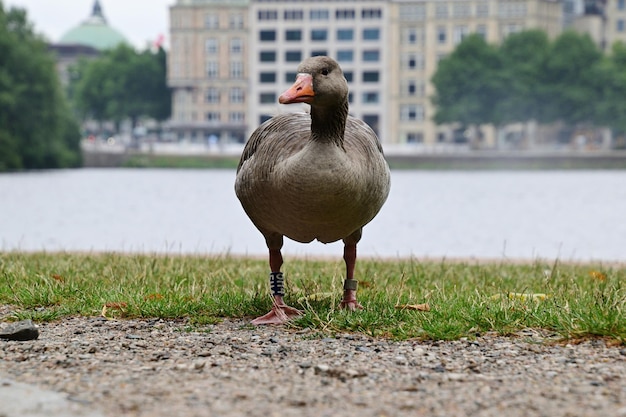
[[320, 176]]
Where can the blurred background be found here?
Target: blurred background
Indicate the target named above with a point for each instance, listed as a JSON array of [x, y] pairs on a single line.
[[473, 100]]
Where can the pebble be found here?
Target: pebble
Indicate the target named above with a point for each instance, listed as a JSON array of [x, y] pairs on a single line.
[[21, 331], [232, 369]]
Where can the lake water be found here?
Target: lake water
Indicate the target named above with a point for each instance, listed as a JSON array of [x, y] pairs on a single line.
[[570, 215]]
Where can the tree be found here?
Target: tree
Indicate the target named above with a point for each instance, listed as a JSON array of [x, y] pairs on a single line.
[[36, 127], [123, 84], [469, 84], [523, 56], [611, 76], [569, 79]]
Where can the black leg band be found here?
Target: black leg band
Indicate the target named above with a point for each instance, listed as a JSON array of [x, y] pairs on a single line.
[[277, 283], [350, 284]]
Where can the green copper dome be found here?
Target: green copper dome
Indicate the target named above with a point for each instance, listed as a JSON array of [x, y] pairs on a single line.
[[94, 32]]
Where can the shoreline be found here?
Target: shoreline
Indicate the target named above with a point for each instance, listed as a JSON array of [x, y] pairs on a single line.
[[470, 160]]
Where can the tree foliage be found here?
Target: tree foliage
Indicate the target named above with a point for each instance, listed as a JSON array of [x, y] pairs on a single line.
[[123, 84], [37, 129], [468, 83], [528, 77]]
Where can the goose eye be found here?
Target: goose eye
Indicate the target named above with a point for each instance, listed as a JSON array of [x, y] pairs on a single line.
[[325, 71]]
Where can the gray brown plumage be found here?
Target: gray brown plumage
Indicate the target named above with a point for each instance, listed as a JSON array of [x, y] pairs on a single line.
[[313, 176]]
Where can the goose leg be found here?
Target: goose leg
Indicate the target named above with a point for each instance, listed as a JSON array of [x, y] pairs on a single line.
[[280, 312], [349, 301]]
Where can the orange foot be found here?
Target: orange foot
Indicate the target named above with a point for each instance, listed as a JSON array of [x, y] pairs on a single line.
[[279, 314], [351, 305]]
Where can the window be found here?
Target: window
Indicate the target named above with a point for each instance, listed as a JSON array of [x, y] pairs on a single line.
[[348, 75], [409, 13], [267, 15], [441, 34], [290, 76], [267, 98], [461, 10], [371, 55], [293, 15], [512, 9], [345, 55], [236, 95], [409, 35], [412, 112], [293, 56], [621, 25], [413, 36], [235, 21], [621, 4], [236, 46], [345, 34], [370, 76], [413, 61], [267, 35], [372, 121], [371, 34], [319, 34], [481, 30], [482, 10], [236, 117], [211, 46], [236, 69], [460, 33], [319, 14], [211, 21], [441, 11], [212, 95], [213, 116], [321, 52], [413, 88], [293, 35], [370, 97], [344, 14], [212, 69], [267, 77], [267, 56], [371, 13], [414, 137]]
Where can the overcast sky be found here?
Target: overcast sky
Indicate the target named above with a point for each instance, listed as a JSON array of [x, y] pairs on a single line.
[[139, 20]]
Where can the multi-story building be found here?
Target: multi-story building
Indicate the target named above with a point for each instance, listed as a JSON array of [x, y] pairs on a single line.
[[355, 33], [425, 31], [230, 60], [604, 21], [208, 69]]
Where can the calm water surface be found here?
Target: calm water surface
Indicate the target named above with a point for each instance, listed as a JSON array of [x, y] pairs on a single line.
[[572, 215]]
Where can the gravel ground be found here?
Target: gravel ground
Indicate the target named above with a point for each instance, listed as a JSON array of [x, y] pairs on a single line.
[[159, 368]]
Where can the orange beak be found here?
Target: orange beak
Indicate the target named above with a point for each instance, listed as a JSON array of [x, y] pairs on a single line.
[[300, 92]]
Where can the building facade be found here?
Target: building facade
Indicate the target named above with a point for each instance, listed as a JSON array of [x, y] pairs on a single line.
[[208, 70], [356, 34], [425, 31], [230, 60]]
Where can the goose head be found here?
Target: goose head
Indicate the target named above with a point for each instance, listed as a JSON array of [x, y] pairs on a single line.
[[320, 83]]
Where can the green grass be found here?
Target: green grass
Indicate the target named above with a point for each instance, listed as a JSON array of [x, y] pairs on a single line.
[[182, 162], [465, 299]]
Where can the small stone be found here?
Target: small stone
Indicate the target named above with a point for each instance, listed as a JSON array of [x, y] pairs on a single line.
[[439, 369], [363, 349], [400, 360], [133, 336], [21, 331], [321, 369]]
